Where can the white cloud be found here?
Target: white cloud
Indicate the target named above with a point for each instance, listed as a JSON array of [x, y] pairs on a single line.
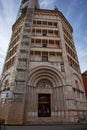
[[47, 4], [44, 3]]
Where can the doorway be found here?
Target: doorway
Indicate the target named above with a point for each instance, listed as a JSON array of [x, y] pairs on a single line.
[[44, 105]]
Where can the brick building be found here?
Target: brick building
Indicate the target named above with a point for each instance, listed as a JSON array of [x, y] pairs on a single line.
[[41, 78]]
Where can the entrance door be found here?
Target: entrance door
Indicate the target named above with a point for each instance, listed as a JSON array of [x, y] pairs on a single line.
[[44, 104]]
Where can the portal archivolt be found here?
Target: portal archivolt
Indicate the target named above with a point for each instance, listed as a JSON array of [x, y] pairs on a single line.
[[47, 76]]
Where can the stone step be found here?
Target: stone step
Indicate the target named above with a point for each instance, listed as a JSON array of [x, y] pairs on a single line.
[[46, 120], [48, 127]]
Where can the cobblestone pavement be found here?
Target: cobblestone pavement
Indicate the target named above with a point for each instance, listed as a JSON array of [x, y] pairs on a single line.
[[48, 127]]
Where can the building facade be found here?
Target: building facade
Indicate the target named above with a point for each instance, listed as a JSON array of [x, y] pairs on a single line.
[[41, 79], [84, 77]]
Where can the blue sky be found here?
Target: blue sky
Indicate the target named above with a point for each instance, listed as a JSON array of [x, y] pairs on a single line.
[[74, 10]]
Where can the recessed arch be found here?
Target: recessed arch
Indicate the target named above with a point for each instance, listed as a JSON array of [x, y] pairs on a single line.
[[48, 72], [76, 78], [51, 79]]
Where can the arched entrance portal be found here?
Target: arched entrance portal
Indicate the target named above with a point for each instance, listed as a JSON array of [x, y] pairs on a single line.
[[45, 93], [44, 100]]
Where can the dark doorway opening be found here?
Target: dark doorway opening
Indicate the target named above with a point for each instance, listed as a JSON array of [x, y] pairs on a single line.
[[44, 105]]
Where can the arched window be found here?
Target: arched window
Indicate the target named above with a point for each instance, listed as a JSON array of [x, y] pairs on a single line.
[[77, 88], [44, 83], [6, 84], [77, 84]]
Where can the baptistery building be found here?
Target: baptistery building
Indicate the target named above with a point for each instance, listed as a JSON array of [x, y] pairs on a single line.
[[41, 79]]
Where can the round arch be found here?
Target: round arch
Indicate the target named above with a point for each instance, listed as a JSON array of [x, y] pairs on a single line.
[[46, 72], [76, 78]]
